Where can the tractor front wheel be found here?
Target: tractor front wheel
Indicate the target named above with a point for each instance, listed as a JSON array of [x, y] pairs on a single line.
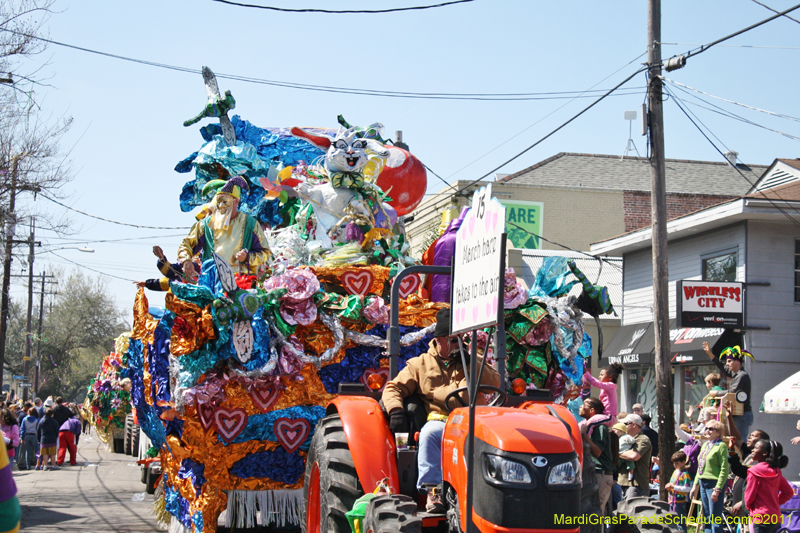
[[393, 513], [331, 483]]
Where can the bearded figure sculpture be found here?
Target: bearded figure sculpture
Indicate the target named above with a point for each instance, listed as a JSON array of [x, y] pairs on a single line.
[[234, 236]]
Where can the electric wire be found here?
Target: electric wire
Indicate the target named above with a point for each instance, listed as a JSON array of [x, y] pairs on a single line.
[[109, 220], [752, 184], [706, 47], [736, 46], [342, 90], [553, 132], [92, 269], [775, 11], [728, 114], [779, 115], [348, 11]]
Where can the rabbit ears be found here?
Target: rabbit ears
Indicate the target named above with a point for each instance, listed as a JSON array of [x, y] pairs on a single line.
[[324, 142]]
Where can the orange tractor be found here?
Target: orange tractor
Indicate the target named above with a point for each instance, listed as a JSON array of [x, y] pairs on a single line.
[[528, 456]]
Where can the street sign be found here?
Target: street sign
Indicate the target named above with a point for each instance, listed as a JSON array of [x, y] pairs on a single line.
[[477, 285], [26, 385], [19, 377]]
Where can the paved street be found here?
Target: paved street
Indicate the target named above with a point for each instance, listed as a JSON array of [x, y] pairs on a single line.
[[93, 496]]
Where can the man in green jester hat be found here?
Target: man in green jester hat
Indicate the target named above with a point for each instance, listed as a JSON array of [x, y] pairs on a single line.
[[733, 367], [235, 236]]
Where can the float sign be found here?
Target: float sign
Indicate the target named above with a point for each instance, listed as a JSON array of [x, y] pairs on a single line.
[[710, 304], [477, 285]]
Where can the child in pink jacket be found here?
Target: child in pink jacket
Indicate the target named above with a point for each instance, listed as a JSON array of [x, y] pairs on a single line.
[[608, 395], [767, 489]]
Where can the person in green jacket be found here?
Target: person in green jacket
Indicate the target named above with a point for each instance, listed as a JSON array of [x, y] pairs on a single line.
[[712, 474]]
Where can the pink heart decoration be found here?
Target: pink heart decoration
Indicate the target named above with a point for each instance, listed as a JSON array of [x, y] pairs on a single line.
[[357, 282], [205, 412], [475, 313], [291, 433], [494, 221], [371, 372], [488, 309], [494, 306], [487, 221], [463, 314], [230, 422], [471, 224], [264, 398], [409, 285]]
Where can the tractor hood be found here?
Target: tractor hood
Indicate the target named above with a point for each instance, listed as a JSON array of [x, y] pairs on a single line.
[[522, 431]]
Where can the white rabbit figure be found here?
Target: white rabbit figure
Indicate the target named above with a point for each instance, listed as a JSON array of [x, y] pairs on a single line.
[[345, 158]]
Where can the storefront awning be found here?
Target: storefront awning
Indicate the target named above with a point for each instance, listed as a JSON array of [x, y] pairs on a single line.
[[686, 344], [627, 346], [635, 344]]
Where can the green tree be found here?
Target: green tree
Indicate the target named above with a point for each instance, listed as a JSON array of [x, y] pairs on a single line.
[[79, 331]]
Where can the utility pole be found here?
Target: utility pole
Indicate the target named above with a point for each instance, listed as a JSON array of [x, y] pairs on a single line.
[[10, 227], [658, 207], [39, 336], [26, 360]]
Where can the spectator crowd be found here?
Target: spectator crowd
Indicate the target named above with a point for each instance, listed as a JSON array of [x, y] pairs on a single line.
[[720, 464], [38, 435]]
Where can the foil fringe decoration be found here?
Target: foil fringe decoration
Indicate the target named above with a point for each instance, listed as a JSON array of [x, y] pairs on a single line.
[[279, 507]]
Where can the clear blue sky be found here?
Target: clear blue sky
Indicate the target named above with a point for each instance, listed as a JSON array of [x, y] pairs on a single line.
[[128, 133]]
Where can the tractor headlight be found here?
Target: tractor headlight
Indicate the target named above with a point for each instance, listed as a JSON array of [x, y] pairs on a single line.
[[501, 469], [568, 473]]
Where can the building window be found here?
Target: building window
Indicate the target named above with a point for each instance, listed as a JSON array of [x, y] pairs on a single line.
[[797, 271], [720, 268]]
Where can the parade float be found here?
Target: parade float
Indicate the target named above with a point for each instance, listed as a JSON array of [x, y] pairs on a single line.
[[279, 295], [108, 400]]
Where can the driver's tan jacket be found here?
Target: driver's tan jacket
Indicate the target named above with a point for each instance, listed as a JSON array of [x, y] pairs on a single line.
[[428, 376]]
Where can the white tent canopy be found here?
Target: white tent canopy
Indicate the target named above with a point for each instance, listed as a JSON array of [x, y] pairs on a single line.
[[784, 398]]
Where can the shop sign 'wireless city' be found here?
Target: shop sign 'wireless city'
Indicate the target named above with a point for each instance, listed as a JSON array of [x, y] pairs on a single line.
[[710, 304]]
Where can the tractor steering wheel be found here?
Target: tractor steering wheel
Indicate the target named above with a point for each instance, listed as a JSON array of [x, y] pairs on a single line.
[[498, 400]]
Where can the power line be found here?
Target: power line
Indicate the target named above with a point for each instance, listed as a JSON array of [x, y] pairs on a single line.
[[564, 246], [775, 11], [779, 115], [581, 95], [728, 114], [354, 11], [111, 221], [92, 269], [737, 46], [705, 47], [553, 132], [112, 241], [752, 184], [341, 90]]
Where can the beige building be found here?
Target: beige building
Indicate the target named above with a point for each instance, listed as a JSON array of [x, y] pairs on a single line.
[[577, 199], [569, 201]]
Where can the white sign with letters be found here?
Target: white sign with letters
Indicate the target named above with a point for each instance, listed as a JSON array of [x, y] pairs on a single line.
[[477, 285]]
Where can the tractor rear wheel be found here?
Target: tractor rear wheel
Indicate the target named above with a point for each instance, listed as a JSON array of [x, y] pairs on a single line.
[[135, 440], [650, 515], [393, 513], [331, 483]]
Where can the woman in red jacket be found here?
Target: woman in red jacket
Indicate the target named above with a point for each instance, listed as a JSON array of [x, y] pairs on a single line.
[[767, 489]]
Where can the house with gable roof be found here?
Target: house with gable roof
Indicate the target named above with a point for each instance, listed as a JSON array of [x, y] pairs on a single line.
[[753, 239]]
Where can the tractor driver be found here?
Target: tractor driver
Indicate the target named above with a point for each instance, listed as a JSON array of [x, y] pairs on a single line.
[[432, 376]]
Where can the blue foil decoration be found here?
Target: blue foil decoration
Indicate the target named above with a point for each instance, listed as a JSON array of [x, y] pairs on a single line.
[[360, 358], [259, 427], [276, 465], [193, 471]]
